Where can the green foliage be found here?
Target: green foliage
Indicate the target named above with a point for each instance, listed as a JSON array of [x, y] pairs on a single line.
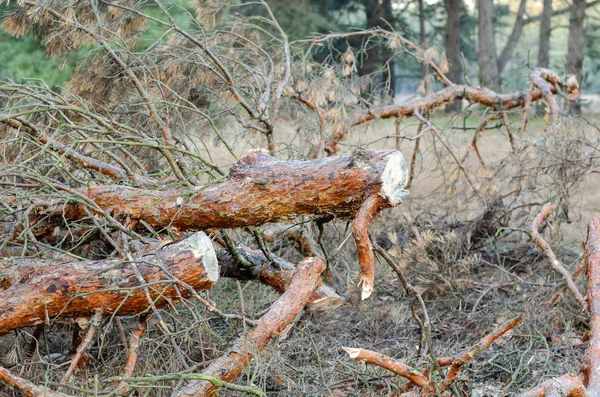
[[24, 58]]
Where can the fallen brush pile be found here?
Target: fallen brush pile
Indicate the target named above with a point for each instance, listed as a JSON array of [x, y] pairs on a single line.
[[131, 219]]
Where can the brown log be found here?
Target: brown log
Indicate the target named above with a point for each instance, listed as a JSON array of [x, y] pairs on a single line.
[[323, 298], [46, 290], [261, 189], [592, 257], [281, 313]]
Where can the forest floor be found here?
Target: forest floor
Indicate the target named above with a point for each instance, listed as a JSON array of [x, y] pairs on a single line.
[[469, 288]]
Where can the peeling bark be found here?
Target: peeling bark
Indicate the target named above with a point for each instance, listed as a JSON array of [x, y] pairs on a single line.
[[40, 291]]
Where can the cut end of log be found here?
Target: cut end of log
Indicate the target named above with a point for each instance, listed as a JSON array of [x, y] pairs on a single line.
[[324, 298], [352, 352], [326, 303], [394, 178], [201, 246]]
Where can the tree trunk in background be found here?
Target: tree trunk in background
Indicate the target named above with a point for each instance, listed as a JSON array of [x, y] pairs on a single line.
[[489, 76], [575, 53], [379, 14], [422, 35], [514, 37], [370, 60], [389, 75], [455, 73], [544, 49]]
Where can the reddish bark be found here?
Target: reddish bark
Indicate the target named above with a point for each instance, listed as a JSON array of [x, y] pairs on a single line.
[[467, 356], [364, 247], [381, 360], [26, 387], [261, 189], [81, 355], [572, 385], [43, 290], [592, 256], [281, 313], [566, 385]]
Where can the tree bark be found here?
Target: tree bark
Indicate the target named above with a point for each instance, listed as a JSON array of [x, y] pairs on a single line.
[[279, 316], [489, 75], [453, 51], [575, 50], [514, 37], [592, 257], [545, 31], [258, 190], [544, 47], [39, 291], [562, 11]]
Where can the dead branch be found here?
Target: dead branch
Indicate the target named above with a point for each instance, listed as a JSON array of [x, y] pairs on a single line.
[[381, 360], [132, 355], [92, 325], [79, 159], [545, 78], [545, 84], [323, 298], [27, 388], [547, 250], [467, 356], [360, 231], [47, 289], [588, 381], [281, 313]]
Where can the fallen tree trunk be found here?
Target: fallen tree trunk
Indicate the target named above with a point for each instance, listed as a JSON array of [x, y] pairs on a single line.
[[261, 189], [258, 190], [279, 316], [39, 291]]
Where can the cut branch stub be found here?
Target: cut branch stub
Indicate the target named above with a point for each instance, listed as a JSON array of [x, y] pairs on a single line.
[[45, 290]]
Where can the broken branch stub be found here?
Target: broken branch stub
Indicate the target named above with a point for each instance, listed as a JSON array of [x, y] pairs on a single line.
[[39, 290]]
